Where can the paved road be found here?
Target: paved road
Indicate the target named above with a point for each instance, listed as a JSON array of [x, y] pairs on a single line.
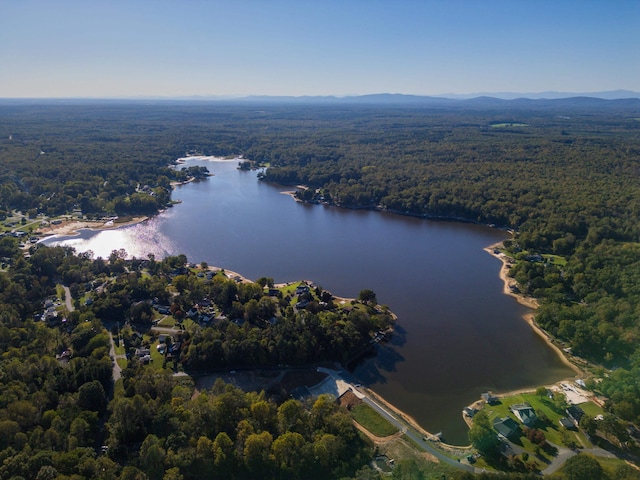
[[400, 424], [117, 371], [67, 299], [565, 454]]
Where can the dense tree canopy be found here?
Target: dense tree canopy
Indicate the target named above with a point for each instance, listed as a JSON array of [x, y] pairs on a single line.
[[565, 179]]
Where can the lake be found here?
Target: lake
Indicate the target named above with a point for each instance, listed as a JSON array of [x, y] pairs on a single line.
[[457, 334]]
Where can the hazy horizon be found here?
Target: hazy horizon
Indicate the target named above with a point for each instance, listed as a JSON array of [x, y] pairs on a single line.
[[163, 48]]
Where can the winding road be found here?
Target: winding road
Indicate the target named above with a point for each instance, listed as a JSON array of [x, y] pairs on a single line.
[[420, 439], [399, 423], [117, 371], [392, 417]]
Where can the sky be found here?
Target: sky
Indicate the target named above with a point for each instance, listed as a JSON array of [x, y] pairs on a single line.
[[132, 48]]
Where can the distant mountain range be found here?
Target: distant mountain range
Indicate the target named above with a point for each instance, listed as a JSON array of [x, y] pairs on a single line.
[[483, 101], [614, 98], [606, 95], [399, 97]]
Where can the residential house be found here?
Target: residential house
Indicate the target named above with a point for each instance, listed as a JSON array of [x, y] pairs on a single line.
[[506, 427], [489, 399], [469, 411], [142, 352], [567, 423], [575, 413], [525, 413]]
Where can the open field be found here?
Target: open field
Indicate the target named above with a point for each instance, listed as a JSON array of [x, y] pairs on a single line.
[[369, 419]]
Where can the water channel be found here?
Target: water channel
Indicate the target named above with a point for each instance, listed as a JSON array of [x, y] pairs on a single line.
[[457, 334]]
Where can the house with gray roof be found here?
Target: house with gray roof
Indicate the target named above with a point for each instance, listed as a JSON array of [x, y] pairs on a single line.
[[525, 413], [506, 427]]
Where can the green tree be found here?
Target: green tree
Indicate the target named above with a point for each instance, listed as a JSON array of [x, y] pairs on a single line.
[[589, 424], [257, 453], [367, 296], [582, 467], [292, 417], [91, 396], [173, 474], [288, 451], [482, 435], [152, 457], [223, 454]]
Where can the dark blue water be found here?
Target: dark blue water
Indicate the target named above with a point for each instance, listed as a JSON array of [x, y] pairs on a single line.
[[457, 334]]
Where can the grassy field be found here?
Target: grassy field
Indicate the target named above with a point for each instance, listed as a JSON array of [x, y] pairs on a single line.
[[543, 406], [413, 464], [168, 321], [369, 419], [555, 259], [610, 465]]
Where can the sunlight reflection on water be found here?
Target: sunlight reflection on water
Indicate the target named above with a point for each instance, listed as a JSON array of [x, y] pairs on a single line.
[[137, 240]]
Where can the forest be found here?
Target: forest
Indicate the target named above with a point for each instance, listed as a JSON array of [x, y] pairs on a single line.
[[62, 416], [564, 179]]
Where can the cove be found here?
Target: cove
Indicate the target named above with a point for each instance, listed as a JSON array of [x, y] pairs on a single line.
[[457, 334]]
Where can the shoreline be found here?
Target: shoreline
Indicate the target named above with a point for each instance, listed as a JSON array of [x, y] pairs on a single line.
[[379, 208], [209, 158], [71, 227], [413, 423], [529, 302]]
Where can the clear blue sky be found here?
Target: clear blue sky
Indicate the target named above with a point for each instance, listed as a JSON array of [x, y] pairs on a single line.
[[121, 48]]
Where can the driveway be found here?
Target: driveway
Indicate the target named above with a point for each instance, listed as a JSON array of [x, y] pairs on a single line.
[[117, 371], [67, 299]]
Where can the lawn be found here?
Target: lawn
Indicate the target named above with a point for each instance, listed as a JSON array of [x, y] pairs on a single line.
[[168, 321], [372, 421], [120, 350], [591, 409], [412, 462], [610, 465], [157, 359], [290, 289], [555, 259], [545, 405]]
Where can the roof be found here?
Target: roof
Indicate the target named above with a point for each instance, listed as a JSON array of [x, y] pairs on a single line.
[[525, 413], [506, 426], [566, 423], [488, 397], [575, 412]]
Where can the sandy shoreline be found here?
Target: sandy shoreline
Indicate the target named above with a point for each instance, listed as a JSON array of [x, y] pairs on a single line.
[[411, 421], [209, 158], [528, 302], [73, 226]]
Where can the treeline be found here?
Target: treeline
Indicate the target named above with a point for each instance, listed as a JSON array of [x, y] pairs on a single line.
[[96, 161], [52, 404], [165, 431], [566, 180], [248, 323], [56, 378]]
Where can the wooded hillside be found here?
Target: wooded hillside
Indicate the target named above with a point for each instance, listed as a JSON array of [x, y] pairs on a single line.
[[566, 179]]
